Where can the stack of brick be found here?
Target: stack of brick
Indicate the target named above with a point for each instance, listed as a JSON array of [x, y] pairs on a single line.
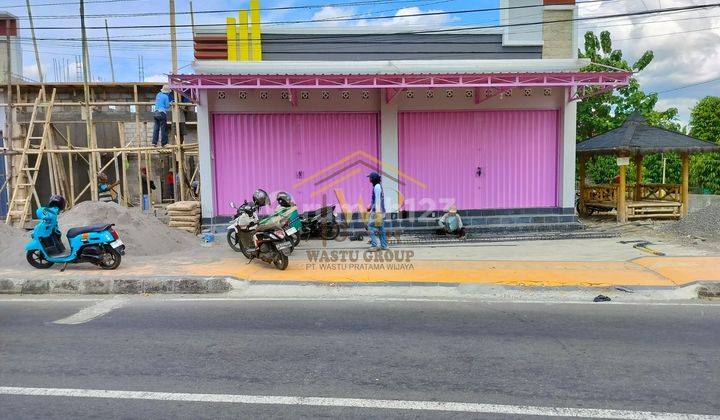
[[185, 215]]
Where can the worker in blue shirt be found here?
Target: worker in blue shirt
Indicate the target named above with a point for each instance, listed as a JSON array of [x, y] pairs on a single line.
[[162, 106]]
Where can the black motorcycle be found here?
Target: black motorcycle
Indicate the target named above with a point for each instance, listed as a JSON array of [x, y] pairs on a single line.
[[265, 239], [321, 222]]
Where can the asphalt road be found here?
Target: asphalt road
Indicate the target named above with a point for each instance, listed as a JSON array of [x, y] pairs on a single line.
[[598, 356]]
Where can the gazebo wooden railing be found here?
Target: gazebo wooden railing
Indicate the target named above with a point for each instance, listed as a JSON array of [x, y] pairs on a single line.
[[655, 200], [635, 138]]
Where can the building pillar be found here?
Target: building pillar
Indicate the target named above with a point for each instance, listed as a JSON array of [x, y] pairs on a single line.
[[581, 185], [684, 192], [389, 153], [566, 162], [207, 190], [621, 204]]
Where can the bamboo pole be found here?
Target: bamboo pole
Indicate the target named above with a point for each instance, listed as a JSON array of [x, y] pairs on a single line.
[[581, 185], [638, 177], [88, 111], [107, 36], [621, 203], [72, 180], [70, 167], [34, 41], [139, 177], [121, 128], [117, 178]]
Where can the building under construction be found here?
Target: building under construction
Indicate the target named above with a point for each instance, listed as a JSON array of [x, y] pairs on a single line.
[[47, 149]]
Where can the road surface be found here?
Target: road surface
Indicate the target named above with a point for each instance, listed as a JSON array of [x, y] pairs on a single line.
[[146, 357]]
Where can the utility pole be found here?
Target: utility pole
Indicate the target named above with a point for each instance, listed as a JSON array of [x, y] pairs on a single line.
[[192, 20], [173, 40], [34, 40], [88, 111], [107, 35], [10, 113]]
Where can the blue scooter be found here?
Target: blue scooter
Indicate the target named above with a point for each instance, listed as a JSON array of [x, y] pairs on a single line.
[[97, 244]]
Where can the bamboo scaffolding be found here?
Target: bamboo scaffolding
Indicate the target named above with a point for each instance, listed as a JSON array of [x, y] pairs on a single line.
[[63, 159]]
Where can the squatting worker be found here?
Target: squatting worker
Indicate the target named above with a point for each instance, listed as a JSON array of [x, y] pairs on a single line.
[[377, 209], [160, 113], [451, 223]]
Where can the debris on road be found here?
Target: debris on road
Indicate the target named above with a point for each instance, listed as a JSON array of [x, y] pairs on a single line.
[[601, 298]]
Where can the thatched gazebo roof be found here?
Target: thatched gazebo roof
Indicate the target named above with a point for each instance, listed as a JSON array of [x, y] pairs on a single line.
[[635, 137]]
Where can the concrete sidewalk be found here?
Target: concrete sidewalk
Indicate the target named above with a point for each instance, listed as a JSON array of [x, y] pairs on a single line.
[[561, 263]]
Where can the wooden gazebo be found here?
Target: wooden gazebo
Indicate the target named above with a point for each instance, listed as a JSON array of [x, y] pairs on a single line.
[[635, 139]]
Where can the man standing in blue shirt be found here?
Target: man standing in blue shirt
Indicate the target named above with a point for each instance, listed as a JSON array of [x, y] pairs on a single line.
[[377, 210], [162, 106]]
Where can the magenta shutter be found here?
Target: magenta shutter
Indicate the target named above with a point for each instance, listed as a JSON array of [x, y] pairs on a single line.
[[293, 153], [515, 152]]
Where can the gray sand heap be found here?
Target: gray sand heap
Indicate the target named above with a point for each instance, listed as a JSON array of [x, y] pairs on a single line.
[[703, 223], [142, 234], [12, 245]]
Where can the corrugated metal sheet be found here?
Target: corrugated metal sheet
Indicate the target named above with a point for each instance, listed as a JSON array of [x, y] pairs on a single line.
[[516, 152], [296, 153]]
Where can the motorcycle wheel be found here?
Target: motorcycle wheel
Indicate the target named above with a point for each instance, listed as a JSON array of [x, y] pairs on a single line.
[[295, 239], [111, 259], [37, 259], [281, 262], [329, 231], [233, 239], [244, 250]]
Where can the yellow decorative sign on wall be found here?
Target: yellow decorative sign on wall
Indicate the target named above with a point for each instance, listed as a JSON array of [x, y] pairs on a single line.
[[243, 39]]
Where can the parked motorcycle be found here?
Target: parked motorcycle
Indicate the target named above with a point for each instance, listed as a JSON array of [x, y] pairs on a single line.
[[265, 239], [288, 209], [321, 222], [98, 244]]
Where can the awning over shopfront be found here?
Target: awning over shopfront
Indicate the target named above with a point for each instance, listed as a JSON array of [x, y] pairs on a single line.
[[399, 75]]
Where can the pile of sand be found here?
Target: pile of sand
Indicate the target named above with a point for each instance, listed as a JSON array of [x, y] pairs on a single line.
[[142, 234], [703, 223], [12, 245]]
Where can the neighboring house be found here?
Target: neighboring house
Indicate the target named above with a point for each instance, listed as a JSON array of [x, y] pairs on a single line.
[[482, 118]]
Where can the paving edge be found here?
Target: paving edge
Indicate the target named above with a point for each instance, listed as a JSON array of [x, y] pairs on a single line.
[[124, 286]]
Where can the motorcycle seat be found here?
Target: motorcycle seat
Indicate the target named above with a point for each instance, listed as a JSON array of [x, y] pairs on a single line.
[[98, 227], [268, 227]]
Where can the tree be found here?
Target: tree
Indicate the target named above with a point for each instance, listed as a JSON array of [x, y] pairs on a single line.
[[606, 111], [705, 125]]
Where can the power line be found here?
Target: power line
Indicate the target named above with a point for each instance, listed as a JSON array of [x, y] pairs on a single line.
[[264, 9], [690, 85], [451, 30], [72, 3], [348, 19]]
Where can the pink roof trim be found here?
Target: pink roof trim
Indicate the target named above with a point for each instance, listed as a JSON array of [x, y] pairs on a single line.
[[190, 84]]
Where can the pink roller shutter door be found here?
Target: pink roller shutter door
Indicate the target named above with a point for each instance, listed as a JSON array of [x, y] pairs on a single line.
[[337, 151], [516, 152], [251, 151], [286, 152]]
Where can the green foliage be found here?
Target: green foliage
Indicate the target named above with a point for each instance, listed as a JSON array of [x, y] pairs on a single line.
[[652, 165], [705, 125], [606, 111]]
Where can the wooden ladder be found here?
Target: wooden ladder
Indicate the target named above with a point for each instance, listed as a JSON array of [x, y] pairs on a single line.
[[27, 174]]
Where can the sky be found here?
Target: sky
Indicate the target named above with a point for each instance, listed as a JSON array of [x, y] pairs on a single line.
[[686, 44]]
